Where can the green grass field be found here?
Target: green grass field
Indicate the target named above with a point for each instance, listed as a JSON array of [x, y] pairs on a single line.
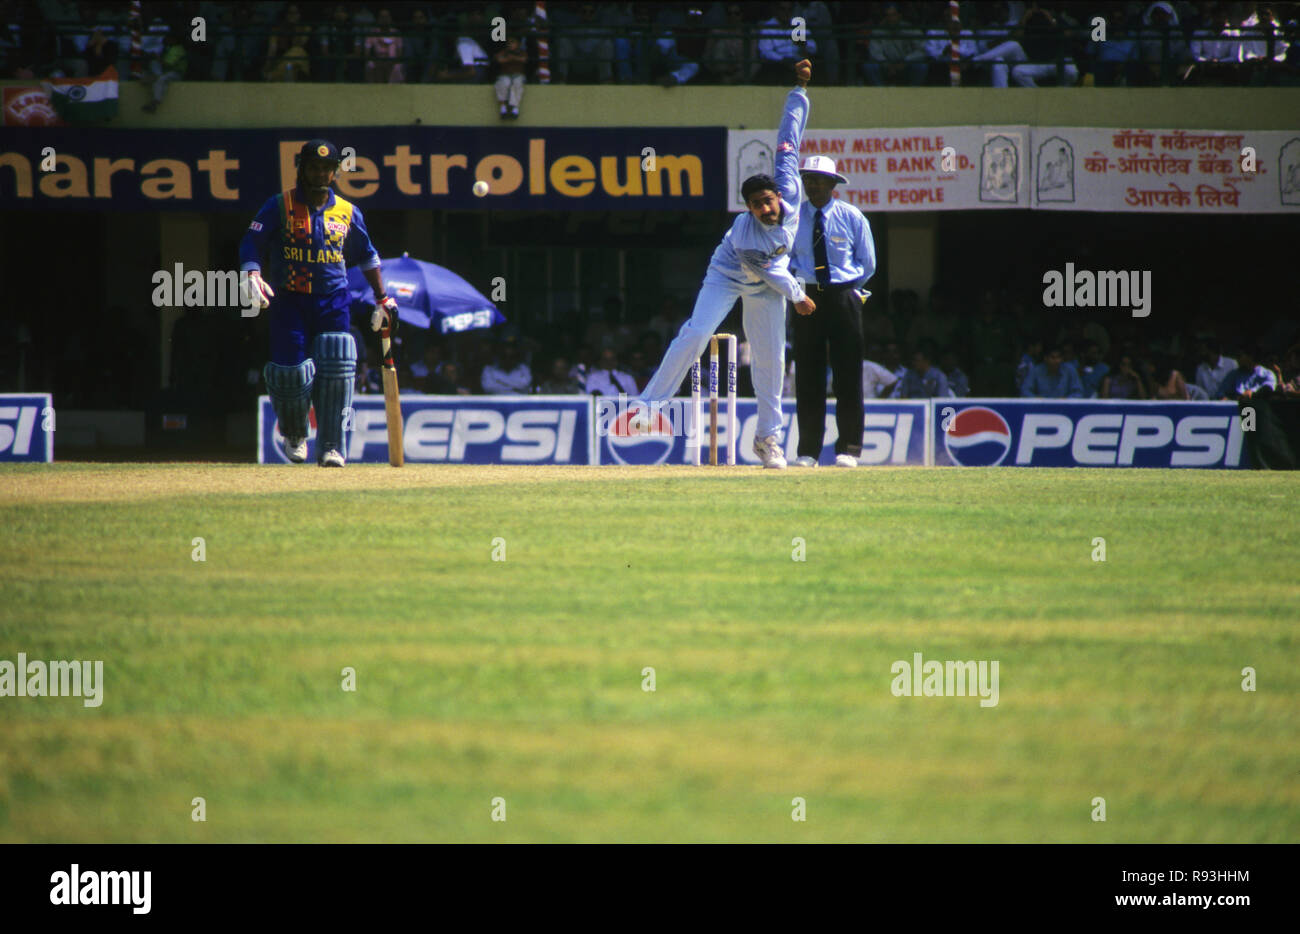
[[522, 679]]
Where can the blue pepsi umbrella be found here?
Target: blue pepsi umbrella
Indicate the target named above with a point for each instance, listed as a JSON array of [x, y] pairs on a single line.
[[428, 295]]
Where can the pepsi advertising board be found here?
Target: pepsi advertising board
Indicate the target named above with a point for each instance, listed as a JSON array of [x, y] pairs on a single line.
[[1086, 433], [895, 432], [452, 430], [26, 427]]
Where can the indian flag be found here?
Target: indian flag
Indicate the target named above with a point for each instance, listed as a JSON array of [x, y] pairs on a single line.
[[80, 100]]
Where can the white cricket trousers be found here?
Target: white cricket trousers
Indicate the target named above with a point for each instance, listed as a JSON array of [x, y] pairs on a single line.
[[764, 320], [510, 88]]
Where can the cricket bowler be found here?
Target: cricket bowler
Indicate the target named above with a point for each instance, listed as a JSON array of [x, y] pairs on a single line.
[[752, 264], [312, 236]]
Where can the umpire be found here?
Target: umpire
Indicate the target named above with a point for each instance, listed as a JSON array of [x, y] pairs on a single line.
[[835, 256]]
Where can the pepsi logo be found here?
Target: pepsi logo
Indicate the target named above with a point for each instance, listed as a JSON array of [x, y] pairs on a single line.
[[647, 441], [977, 437]]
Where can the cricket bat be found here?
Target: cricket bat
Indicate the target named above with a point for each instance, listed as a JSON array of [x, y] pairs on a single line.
[[392, 404]]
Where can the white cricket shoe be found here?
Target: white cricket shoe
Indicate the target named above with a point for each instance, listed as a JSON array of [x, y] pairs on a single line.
[[845, 460], [296, 449], [768, 450], [331, 458], [805, 461]]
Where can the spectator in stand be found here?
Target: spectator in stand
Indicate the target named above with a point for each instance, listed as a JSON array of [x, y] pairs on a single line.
[[991, 339], [1123, 382], [287, 58], [383, 52], [1291, 374], [447, 381], [607, 379], [1169, 384], [877, 380], [1258, 28], [168, 67], [957, 381], [672, 63], [1034, 58], [726, 55], [938, 324], [894, 53], [639, 368], [586, 49], [471, 62], [560, 382], [1247, 379], [282, 36], [634, 45], [1117, 57], [1069, 358], [1029, 358], [101, 50], [237, 55], [892, 360], [1051, 379], [1216, 48], [430, 363], [418, 49], [1160, 32], [777, 51], [924, 380], [1093, 371], [1213, 367], [508, 374], [938, 49], [339, 46], [586, 360], [510, 82]]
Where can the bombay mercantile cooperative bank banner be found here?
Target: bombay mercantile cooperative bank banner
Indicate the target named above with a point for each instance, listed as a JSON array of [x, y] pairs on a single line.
[[394, 168], [1046, 168]]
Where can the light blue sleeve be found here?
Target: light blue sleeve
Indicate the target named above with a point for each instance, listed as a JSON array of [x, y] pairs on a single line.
[[864, 249], [789, 138], [775, 273]]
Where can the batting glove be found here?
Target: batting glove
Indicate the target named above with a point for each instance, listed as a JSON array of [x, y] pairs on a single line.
[[862, 295], [384, 317], [261, 292]]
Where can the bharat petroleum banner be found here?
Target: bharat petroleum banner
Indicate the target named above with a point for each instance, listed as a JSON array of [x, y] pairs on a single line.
[[930, 169], [391, 168], [1053, 168], [1166, 171]]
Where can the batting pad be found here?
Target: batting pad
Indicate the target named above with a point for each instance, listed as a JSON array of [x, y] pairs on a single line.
[[335, 353], [290, 390]]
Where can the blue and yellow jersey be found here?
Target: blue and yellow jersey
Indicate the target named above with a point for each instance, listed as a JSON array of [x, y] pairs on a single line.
[[308, 250]]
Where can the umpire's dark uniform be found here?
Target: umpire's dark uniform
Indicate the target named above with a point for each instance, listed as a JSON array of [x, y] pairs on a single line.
[[835, 256]]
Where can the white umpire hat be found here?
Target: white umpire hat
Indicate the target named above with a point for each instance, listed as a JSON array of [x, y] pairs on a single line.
[[822, 165]]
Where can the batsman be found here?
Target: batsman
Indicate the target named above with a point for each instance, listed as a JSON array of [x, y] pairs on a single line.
[[310, 236]]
